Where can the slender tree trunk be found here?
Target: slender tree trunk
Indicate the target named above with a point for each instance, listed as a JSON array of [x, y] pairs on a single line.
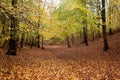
[[93, 35], [85, 36], [106, 47], [68, 42], [42, 43], [13, 26], [26, 41], [99, 18], [22, 40], [38, 42], [110, 30], [73, 42], [32, 42]]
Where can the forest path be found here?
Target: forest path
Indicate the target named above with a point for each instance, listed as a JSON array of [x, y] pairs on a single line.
[[57, 62], [93, 52]]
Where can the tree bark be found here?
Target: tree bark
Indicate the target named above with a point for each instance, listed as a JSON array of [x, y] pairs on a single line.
[[13, 31], [110, 21], [22, 40], [106, 47], [85, 36], [12, 47], [42, 43], [98, 14], [38, 42], [93, 35], [110, 31], [26, 41], [68, 42]]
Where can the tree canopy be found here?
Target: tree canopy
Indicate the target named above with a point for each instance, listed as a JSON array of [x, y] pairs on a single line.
[[40, 17]]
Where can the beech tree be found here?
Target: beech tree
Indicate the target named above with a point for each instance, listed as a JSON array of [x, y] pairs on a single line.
[[13, 31], [72, 21], [106, 47]]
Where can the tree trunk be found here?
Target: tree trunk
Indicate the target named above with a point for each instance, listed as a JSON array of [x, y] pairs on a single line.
[[12, 47], [110, 31], [13, 31], [26, 42], [38, 42], [85, 36], [73, 42], [68, 42], [22, 40], [93, 35], [106, 47], [110, 20], [99, 17], [42, 43], [32, 42]]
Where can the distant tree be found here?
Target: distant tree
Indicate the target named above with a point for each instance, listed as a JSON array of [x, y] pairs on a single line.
[[98, 11], [68, 41]]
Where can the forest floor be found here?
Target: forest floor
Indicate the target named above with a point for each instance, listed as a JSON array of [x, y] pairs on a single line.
[[57, 62]]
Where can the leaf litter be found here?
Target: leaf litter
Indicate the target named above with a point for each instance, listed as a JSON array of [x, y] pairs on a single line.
[[58, 62]]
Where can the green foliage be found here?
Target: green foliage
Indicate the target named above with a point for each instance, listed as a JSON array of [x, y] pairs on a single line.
[[71, 15], [37, 18]]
